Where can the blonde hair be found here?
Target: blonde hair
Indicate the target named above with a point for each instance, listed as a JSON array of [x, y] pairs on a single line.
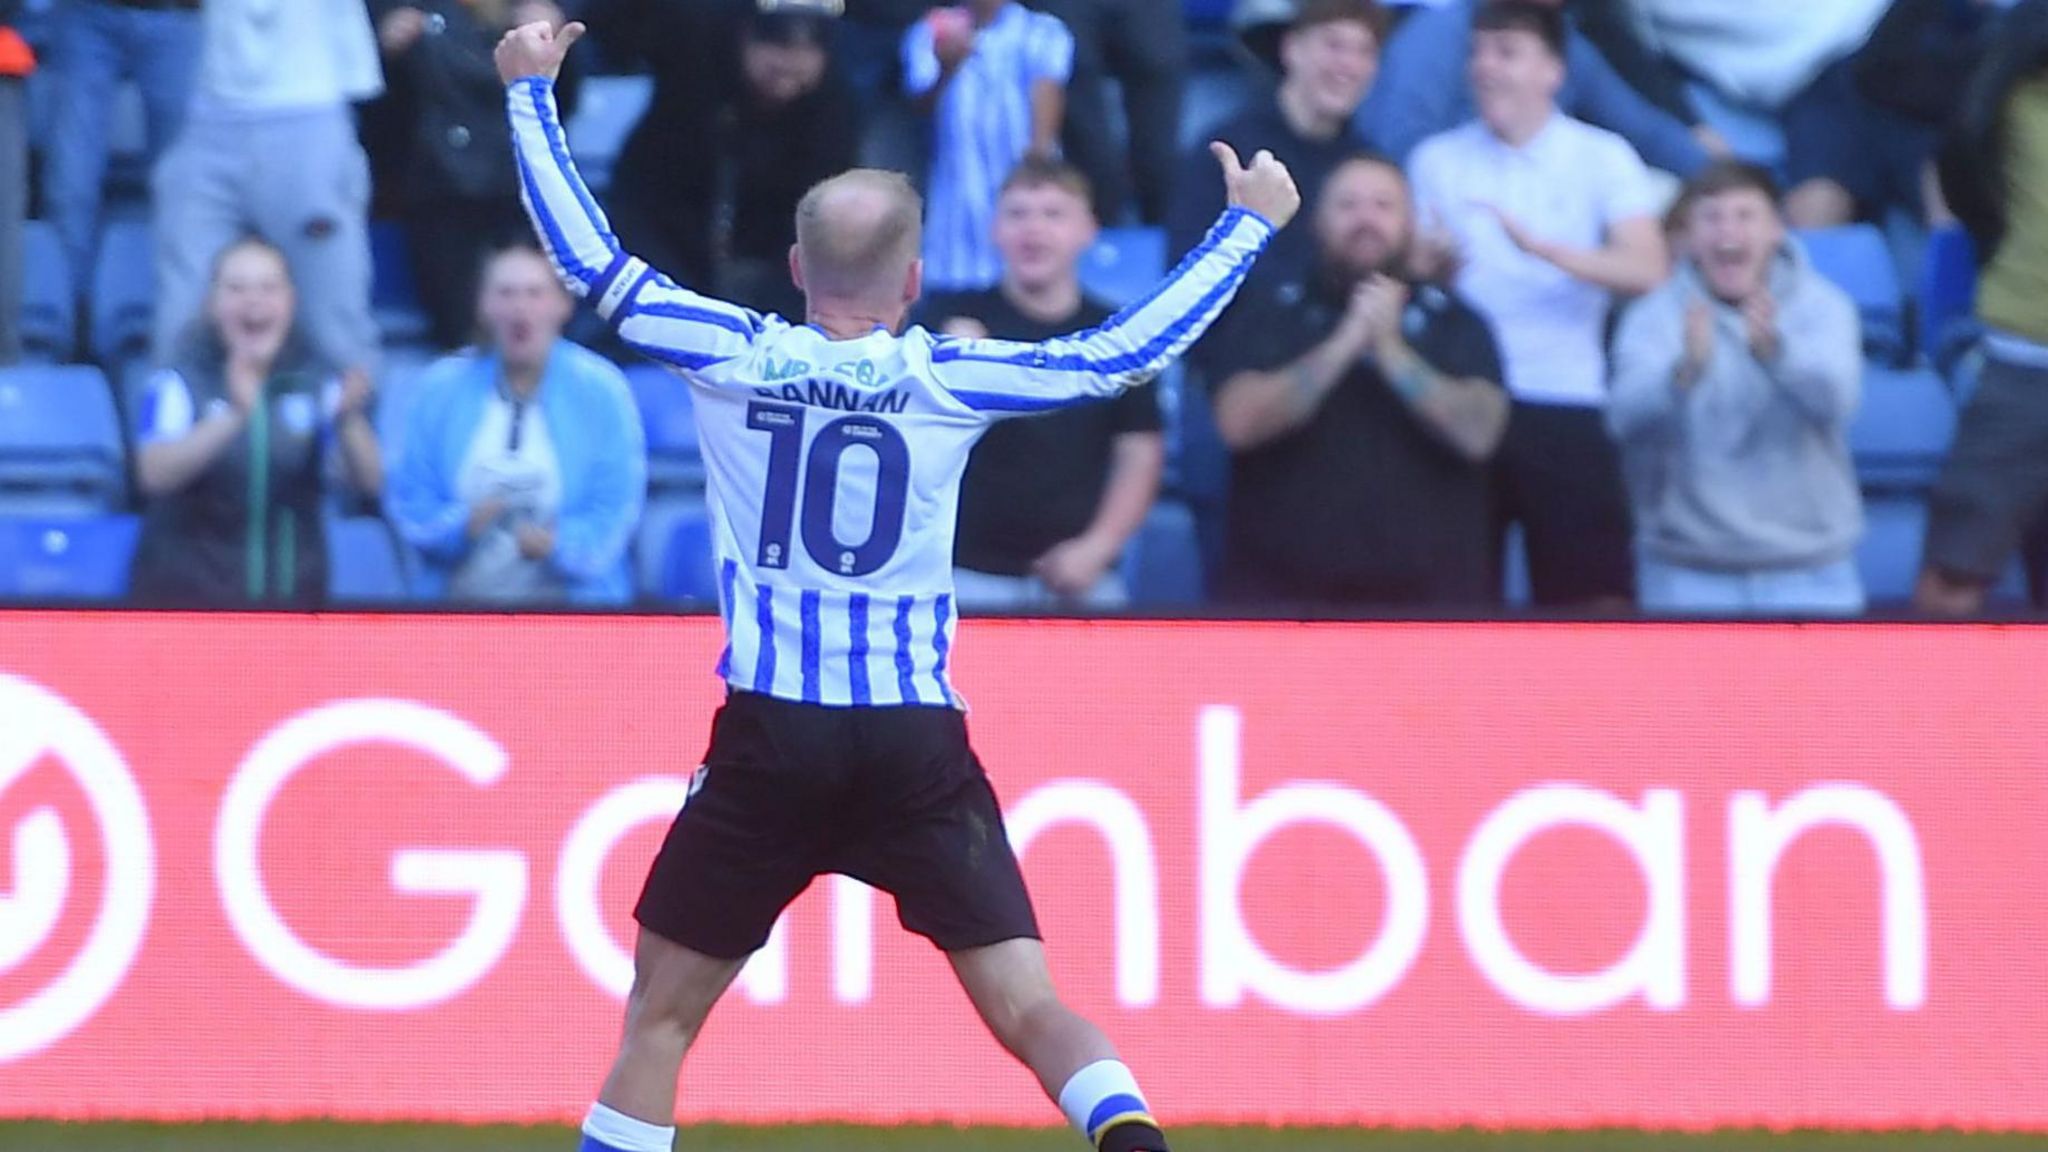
[[857, 234]]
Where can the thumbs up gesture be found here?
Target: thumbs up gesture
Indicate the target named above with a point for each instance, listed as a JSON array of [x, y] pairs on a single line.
[[1265, 187], [535, 49]]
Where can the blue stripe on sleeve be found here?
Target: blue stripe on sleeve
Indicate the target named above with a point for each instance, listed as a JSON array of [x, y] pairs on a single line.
[[728, 574], [812, 641], [557, 242], [668, 310], [1008, 402], [857, 649], [764, 657], [603, 283], [559, 147], [906, 665], [942, 614], [688, 361]]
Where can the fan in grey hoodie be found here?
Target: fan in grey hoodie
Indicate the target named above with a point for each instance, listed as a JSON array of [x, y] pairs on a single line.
[[1734, 385]]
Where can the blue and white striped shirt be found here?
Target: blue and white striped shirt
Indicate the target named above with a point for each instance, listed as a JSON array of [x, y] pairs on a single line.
[[980, 130], [833, 466]]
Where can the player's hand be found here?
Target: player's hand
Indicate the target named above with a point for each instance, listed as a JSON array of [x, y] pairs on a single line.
[[536, 542], [484, 515], [537, 12], [1265, 188], [535, 49], [1072, 567], [400, 29]]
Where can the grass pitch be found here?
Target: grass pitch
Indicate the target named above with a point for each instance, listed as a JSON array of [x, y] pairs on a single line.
[[48, 1137]]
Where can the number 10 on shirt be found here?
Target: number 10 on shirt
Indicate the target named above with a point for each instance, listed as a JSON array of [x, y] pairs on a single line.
[[819, 468]]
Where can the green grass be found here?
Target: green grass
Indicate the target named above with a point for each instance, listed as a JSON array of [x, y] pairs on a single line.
[[47, 1137]]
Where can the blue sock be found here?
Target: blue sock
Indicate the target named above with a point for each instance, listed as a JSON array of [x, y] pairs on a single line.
[[1103, 1103], [609, 1130]]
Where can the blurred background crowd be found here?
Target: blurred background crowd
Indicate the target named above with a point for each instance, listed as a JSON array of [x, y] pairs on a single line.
[[1683, 307]]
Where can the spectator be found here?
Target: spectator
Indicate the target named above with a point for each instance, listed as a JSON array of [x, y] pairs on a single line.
[[1736, 433], [16, 62], [1326, 54], [524, 464], [1361, 412], [1049, 503], [459, 197], [1861, 138], [994, 75], [1144, 45], [233, 447], [1415, 97], [1994, 173], [94, 46], [748, 113], [270, 147], [1550, 216]]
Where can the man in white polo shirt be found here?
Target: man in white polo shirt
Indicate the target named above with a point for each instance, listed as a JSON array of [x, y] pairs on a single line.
[[1543, 220]]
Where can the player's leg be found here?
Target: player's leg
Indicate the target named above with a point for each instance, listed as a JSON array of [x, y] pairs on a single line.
[[673, 991], [739, 851], [1011, 988], [939, 847]]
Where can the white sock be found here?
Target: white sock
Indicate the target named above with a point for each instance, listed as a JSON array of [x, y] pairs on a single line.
[[1099, 1096], [614, 1131]]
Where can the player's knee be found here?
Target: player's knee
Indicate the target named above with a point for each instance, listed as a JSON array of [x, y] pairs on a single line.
[[663, 1015]]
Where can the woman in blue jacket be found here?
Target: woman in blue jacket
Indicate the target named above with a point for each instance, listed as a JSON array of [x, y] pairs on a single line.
[[523, 466]]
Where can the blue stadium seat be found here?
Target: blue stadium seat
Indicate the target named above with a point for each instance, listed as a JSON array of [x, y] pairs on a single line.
[[1859, 260], [49, 305], [1163, 562], [123, 292], [673, 458], [1753, 135], [1895, 529], [1948, 292], [606, 110], [394, 296], [61, 449], [1903, 429], [364, 563], [1516, 591], [1124, 264], [70, 558], [397, 387], [672, 556]]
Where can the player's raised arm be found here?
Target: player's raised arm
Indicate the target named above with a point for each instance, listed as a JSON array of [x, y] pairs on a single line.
[[1138, 342], [654, 315]]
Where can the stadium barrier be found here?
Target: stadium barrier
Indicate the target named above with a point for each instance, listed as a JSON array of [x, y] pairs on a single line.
[[1525, 875]]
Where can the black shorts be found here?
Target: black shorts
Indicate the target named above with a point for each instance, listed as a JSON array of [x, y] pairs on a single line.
[[1994, 485], [893, 797], [1559, 476]]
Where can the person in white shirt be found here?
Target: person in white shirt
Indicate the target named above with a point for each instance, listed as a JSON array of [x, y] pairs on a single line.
[[835, 450], [1542, 220], [269, 148]]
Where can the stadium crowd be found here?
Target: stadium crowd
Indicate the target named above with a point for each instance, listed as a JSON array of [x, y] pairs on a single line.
[[1688, 307]]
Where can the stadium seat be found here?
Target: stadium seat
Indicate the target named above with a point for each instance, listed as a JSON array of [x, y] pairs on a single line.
[[49, 305], [1895, 528], [67, 558], [364, 563], [61, 449], [1124, 264], [1903, 429], [672, 556], [1163, 562], [1859, 260], [1948, 293], [1516, 591], [673, 459], [397, 386], [394, 296], [606, 111], [1753, 135], [123, 292]]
